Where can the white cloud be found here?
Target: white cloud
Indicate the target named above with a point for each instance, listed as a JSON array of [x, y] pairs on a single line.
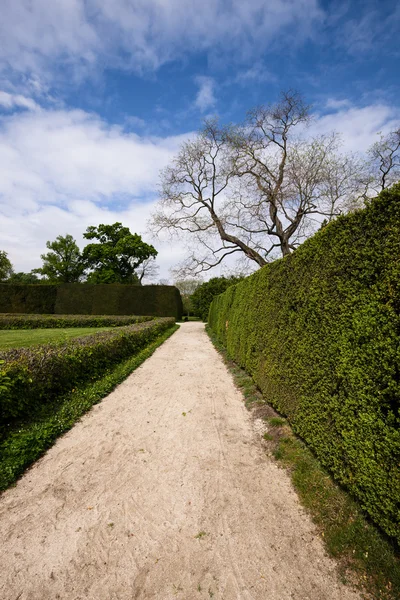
[[358, 126], [11, 101], [42, 35], [371, 29], [335, 104], [255, 74], [58, 154], [61, 171], [205, 98]]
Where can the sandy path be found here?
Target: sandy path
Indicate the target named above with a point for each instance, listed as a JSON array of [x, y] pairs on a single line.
[[112, 511]]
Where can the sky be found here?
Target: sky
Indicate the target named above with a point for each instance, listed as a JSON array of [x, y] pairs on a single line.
[[96, 96]]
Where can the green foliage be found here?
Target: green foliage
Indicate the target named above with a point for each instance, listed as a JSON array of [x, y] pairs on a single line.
[[319, 331], [89, 299], [39, 374], [39, 299], [5, 266], [23, 278], [4, 380], [27, 439], [117, 254], [203, 296], [13, 321], [63, 264]]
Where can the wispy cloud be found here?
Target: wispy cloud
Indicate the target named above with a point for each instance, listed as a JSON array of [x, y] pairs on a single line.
[[335, 104], [358, 126], [205, 98], [142, 34], [257, 73], [373, 28], [12, 101]]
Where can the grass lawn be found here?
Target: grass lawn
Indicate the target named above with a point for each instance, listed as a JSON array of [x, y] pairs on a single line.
[[18, 338]]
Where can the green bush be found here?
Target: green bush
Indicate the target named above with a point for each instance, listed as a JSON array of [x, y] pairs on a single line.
[[203, 296], [91, 299], [18, 321], [319, 331], [39, 374]]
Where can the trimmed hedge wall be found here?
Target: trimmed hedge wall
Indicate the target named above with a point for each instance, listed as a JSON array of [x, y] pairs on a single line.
[[91, 299], [39, 299], [319, 331], [32, 376], [18, 321]]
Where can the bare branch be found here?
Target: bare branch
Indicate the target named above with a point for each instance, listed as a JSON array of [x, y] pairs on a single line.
[[257, 187]]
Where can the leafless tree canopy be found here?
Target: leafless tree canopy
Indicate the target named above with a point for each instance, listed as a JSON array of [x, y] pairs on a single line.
[[258, 189], [384, 164], [148, 270], [187, 286]]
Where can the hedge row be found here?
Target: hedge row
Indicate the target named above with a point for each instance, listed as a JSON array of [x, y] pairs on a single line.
[[91, 299], [319, 331], [40, 299], [31, 376], [13, 321]]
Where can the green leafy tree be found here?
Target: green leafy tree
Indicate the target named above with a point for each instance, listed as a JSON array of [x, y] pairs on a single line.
[[205, 293], [64, 263], [24, 278], [117, 254], [5, 266]]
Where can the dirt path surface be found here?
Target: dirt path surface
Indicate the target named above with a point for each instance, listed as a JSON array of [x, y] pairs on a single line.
[[162, 491]]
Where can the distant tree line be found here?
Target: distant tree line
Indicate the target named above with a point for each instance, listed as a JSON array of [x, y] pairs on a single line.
[[114, 256]]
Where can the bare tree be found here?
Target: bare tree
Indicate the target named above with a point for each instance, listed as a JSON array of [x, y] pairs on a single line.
[[193, 196], [254, 189], [384, 163], [148, 270], [294, 180], [187, 286]]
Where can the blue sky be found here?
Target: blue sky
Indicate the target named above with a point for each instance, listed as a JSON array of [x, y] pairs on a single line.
[[97, 95]]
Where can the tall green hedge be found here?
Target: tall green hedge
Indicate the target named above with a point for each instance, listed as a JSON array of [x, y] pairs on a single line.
[[39, 299], [91, 299], [203, 296], [319, 331]]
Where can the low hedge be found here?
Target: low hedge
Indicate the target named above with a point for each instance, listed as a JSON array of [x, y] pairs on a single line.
[[319, 331], [28, 439], [13, 321], [32, 376]]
